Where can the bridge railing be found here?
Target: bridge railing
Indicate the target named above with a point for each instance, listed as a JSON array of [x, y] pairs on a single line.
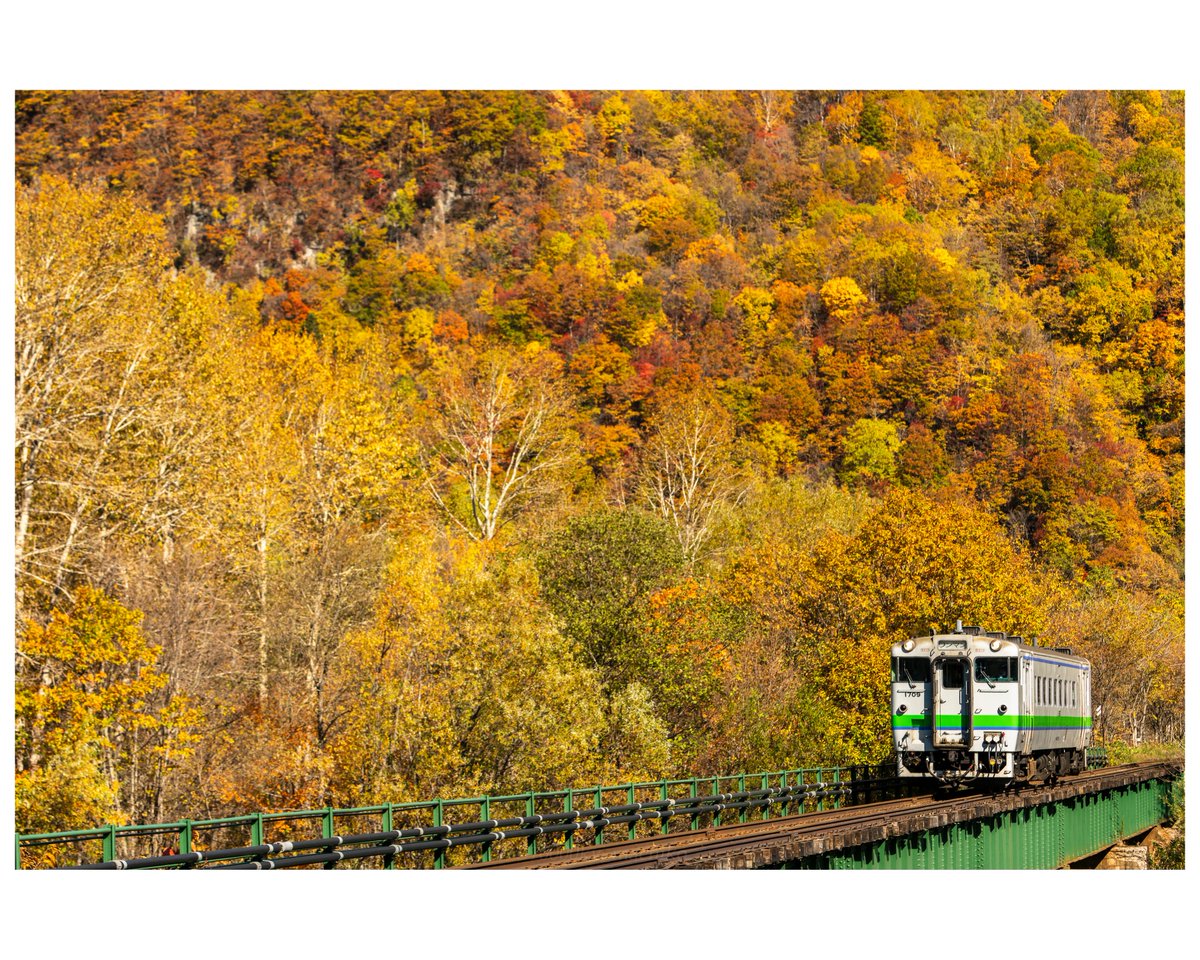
[[441, 833]]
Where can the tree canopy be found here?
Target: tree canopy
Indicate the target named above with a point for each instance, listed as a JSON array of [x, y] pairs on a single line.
[[372, 445]]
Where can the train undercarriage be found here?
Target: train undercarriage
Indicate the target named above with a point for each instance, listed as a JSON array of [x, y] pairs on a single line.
[[962, 766]]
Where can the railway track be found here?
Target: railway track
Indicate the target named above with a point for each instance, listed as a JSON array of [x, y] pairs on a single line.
[[658, 851], [872, 820]]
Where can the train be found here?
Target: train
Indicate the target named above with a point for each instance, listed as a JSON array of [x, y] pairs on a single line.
[[973, 707]]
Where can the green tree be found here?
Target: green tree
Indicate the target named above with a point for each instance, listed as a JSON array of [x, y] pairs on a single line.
[[598, 573], [870, 450]]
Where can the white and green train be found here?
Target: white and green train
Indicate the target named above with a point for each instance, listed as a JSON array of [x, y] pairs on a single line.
[[978, 706]]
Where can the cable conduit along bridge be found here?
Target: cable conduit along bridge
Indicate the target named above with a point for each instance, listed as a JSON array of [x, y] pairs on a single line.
[[819, 818]]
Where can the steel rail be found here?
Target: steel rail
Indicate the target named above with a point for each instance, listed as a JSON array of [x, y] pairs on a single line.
[[634, 853], [660, 851]]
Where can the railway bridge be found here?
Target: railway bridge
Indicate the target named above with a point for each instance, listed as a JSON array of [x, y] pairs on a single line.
[[1036, 827], [822, 818]]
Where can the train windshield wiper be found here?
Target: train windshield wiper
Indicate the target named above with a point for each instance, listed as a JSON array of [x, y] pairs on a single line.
[[907, 675], [983, 673]]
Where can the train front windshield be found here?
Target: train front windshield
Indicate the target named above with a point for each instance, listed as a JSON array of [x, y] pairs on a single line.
[[910, 669], [996, 669]]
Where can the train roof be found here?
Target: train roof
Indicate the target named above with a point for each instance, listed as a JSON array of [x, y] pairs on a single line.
[[976, 637]]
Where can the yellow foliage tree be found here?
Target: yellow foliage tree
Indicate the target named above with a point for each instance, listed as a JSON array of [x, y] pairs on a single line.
[[914, 564], [842, 296], [466, 686], [97, 724]]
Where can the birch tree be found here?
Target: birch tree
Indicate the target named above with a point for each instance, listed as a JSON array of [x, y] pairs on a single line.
[[89, 271], [688, 468], [496, 442]]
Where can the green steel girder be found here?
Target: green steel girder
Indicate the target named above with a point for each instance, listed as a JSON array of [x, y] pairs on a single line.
[[1045, 836]]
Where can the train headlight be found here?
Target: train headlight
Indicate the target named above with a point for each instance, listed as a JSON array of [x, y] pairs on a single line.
[[994, 645], [907, 645]]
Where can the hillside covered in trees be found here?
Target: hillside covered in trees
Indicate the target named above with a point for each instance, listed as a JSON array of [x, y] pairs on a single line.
[[380, 446]]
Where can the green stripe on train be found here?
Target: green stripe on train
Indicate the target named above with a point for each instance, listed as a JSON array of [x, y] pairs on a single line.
[[991, 721]]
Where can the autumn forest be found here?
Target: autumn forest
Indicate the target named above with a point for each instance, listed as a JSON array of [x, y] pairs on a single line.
[[379, 446]]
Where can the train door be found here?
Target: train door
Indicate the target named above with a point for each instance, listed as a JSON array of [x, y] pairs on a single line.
[[951, 702], [1028, 704]]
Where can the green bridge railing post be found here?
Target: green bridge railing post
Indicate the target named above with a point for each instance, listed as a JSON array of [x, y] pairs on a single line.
[[110, 842], [485, 813], [695, 816], [664, 794], [386, 820], [743, 811], [530, 810], [568, 806], [598, 835], [327, 831], [439, 855], [185, 837], [633, 823]]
